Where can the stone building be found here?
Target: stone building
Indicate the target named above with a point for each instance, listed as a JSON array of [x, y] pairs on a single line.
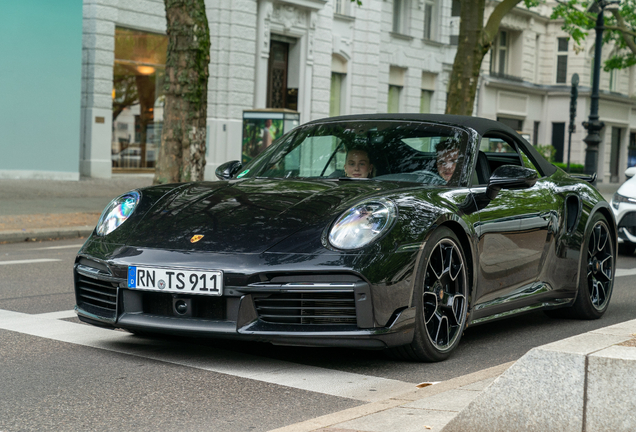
[[319, 58]]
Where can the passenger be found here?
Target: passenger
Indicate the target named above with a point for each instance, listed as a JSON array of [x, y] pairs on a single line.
[[358, 164], [447, 156]]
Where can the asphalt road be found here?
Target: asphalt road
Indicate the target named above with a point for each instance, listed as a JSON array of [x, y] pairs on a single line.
[[58, 374]]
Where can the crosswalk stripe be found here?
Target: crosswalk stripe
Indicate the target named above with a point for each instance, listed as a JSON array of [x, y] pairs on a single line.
[[311, 378]]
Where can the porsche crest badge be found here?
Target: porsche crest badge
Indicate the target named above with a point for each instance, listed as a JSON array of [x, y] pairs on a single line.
[[196, 238]]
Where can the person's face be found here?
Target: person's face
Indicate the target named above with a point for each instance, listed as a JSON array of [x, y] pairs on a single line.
[[357, 164], [446, 163]]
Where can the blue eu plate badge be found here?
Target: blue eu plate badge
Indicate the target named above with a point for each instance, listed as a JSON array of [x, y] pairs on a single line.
[[132, 277]]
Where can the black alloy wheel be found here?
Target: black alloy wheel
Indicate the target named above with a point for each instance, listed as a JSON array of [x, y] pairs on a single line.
[[596, 279], [440, 300]]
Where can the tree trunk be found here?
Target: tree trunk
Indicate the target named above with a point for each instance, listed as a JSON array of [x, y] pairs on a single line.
[[475, 40], [182, 154]]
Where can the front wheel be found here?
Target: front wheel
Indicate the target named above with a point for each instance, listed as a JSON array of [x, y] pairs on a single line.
[[440, 300], [596, 278]]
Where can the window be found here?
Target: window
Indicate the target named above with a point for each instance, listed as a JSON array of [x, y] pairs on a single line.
[[138, 98], [401, 16], [396, 84], [515, 124], [429, 21], [428, 88], [425, 101], [394, 99], [499, 58], [613, 80], [562, 61], [341, 7], [336, 94], [338, 80]]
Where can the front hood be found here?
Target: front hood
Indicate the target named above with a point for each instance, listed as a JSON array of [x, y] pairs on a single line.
[[246, 216]]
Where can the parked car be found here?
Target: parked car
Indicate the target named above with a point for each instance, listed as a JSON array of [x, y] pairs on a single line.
[[437, 234], [624, 207]]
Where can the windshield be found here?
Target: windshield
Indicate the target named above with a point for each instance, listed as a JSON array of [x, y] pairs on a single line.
[[409, 151]]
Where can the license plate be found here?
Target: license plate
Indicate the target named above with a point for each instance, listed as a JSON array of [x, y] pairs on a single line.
[[176, 280]]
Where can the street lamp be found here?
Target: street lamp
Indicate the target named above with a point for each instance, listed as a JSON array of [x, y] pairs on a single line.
[[594, 125]]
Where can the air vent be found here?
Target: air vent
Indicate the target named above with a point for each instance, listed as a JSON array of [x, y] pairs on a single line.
[[307, 308]]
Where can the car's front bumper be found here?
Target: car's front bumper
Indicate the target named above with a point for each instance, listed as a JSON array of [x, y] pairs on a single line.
[[297, 308], [625, 216]]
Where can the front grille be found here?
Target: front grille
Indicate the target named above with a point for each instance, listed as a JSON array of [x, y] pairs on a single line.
[[628, 221], [307, 308], [98, 294]]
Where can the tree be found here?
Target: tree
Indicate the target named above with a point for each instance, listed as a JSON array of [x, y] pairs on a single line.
[[620, 28], [475, 39], [182, 154]]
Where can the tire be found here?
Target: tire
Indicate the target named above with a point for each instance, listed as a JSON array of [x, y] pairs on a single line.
[[626, 248], [596, 274], [440, 299]]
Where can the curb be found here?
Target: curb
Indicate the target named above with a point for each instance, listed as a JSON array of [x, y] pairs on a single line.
[[320, 423], [582, 383], [17, 236]]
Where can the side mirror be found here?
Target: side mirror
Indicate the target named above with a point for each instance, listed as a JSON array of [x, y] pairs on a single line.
[[630, 172], [228, 170], [510, 177]]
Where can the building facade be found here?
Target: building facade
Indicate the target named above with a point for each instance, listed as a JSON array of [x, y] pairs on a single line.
[[318, 58], [526, 82]]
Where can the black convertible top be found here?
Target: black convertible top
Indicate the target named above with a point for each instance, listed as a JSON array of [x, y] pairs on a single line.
[[483, 126]]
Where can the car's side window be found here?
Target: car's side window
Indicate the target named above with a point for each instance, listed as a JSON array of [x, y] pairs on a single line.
[[494, 151]]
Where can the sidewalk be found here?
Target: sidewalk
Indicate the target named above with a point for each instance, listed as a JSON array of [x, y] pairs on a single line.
[[45, 209]]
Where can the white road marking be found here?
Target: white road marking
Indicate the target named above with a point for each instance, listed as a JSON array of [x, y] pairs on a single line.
[[58, 315], [625, 272], [311, 378], [30, 261]]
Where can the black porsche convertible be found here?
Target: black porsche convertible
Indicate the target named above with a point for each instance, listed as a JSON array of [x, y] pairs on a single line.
[[373, 231]]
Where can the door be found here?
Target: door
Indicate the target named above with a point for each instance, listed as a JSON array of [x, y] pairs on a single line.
[[277, 75], [615, 154], [514, 233], [558, 140]]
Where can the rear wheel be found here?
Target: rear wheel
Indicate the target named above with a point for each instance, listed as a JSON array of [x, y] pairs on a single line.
[[596, 278], [440, 300], [596, 274]]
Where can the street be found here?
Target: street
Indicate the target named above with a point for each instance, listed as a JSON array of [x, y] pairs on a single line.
[[60, 374]]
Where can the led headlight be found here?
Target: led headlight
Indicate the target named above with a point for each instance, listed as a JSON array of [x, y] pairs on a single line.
[[618, 198], [362, 224], [117, 212]]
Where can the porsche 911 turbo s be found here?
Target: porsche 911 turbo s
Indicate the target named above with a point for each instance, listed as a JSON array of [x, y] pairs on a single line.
[[385, 231]]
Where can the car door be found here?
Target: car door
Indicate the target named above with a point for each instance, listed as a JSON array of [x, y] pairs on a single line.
[[514, 232]]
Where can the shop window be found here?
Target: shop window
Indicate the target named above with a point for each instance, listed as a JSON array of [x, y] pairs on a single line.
[[138, 99]]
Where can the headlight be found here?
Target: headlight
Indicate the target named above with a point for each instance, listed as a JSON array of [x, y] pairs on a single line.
[[117, 212], [362, 224], [618, 198]]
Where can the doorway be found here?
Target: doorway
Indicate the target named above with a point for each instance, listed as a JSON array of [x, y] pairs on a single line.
[[615, 153], [558, 140]]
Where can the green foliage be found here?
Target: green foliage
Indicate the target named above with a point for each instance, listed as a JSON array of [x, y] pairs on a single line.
[[579, 23], [574, 168], [548, 151]]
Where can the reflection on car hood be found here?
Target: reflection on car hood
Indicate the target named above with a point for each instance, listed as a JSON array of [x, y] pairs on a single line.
[[246, 216]]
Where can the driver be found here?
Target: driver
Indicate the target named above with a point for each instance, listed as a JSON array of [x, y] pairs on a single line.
[[358, 164], [447, 156]]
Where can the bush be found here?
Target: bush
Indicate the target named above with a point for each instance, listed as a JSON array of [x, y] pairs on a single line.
[[574, 168]]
